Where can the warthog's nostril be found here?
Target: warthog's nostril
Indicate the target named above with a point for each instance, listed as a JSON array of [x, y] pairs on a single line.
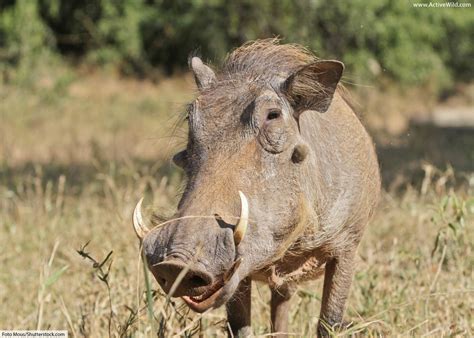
[[194, 282], [197, 281]]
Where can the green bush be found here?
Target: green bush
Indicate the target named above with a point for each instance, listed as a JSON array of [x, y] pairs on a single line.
[[373, 37], [25, 40]]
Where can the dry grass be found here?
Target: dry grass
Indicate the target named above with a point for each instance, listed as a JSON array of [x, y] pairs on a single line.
[[75, 159]]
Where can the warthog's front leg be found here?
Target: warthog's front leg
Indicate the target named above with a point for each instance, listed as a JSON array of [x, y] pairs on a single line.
[[280, 305], [238, 310], [337, 282]]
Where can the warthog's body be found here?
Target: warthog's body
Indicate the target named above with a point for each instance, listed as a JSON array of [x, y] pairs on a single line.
[[273, 125]]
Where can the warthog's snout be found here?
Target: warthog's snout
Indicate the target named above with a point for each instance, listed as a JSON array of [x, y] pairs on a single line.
[[195, 258], [197, 287], [185, 280]]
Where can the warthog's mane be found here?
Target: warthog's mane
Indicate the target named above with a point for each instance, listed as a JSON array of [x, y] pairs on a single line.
[[265, 60]]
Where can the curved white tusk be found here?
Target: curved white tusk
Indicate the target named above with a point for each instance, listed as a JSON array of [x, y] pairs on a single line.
[[241, 227], [140, 228]]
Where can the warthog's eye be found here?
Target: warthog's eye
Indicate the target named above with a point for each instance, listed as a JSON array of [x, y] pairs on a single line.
[[273, 114], [180, 159]]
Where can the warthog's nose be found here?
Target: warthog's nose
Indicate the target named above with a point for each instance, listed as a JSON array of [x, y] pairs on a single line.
[[186, 281]]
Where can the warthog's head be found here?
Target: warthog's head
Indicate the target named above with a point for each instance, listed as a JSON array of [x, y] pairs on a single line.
[[245, 160]]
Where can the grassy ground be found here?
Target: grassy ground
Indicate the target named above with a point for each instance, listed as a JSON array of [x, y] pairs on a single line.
[[77, 151]]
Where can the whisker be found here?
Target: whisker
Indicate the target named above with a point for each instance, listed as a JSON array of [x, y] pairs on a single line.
[[190, 217], [356, 84]]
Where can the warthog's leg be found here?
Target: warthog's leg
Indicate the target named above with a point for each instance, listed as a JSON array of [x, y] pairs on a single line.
[[238, 310], [337, 282], [280, 305]]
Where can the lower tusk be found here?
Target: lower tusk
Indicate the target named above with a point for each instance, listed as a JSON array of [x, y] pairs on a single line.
[[228, 275], [241, 227], [140, 228]]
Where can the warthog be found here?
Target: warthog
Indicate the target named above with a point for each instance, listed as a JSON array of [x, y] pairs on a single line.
[[281, 180]]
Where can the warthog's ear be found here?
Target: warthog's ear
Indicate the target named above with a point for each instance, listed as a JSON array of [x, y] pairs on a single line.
[[203, 74], [312, 87]]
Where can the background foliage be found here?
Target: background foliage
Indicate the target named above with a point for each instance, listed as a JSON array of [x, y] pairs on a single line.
[[375, 38]]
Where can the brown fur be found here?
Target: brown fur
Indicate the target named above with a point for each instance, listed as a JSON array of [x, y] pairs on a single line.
[[307, 209]]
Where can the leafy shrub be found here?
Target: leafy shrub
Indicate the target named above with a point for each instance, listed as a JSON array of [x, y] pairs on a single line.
[[374, 38], [25, 40]]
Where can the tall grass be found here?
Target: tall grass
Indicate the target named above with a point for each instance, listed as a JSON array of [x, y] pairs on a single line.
[[72, 167]]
